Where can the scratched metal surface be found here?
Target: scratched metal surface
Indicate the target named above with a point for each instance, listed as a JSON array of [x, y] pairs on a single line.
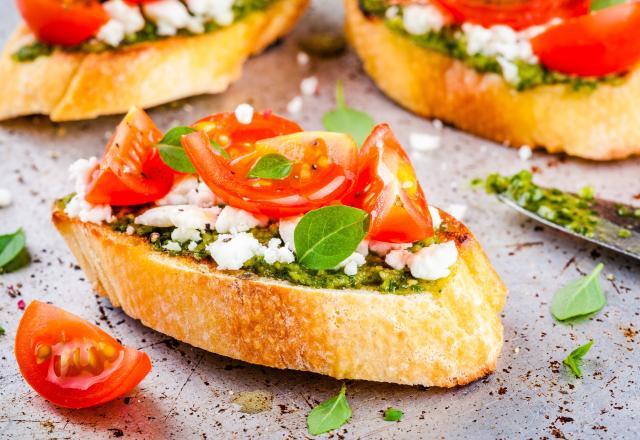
[[188, 394]]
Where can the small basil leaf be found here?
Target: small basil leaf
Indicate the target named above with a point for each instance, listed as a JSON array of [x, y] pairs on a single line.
[[13, 251], [176, 158], [573, 360], [220, 150], [597, 5], [330, 414], [579, 297], [393, 414], [326, 236], [1, 331], [345, 119], [271, 166], [172, 137]]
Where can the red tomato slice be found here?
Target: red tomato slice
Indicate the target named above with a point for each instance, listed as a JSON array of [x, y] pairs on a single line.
[[603, 43], [388, 189], [323, 168], [515, 13], [74, 363], [131, 171], [65, 22]]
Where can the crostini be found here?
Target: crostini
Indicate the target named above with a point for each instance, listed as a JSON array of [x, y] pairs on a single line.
[[544, 73], [251, 238], [81, 59]]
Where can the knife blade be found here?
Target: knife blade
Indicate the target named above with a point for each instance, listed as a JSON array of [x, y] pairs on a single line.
[[607, 231]]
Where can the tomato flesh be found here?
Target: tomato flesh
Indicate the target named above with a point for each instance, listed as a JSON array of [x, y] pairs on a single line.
[[71, 362], [603, 43], [388, 189], [64, 22], [131, 171], [323, 170]]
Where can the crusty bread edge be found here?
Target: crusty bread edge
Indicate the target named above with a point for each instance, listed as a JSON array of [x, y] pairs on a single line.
[[442, 340], [74, 85], [603, 124]]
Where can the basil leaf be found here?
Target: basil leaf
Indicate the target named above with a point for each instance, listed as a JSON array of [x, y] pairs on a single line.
[[597, 5], [1, 331], [221, 150], [172, 137], [325, 237], [393, 414], [176, 158], [271, 166], [573, 360], [330, 414], [345, 119], [13, 251], [579, 297]]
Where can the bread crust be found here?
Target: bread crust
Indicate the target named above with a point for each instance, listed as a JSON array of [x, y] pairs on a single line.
[[603, 124], [444, 340], [72, 86]]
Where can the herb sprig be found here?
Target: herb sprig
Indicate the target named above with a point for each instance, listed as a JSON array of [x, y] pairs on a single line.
[[575, 357], [345, 119], [330, 414]]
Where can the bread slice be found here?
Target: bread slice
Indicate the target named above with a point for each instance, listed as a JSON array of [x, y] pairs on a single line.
[[445, 339], [76, 85], [602, 124]]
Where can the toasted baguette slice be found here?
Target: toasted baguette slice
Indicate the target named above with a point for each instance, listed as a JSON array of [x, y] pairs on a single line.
[[75, 85], [445, 339], [602, 124]]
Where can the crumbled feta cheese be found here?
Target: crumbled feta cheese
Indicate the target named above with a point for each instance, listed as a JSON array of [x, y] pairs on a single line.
[[5, 198], [363, 248], [420, 19], [286, 229], [525, 153], [424, 141], [180, 216], [244, 113], [171, 15], [398, 258], [185, 234], [221, 11], [457, 211], [433, 262], [392, 12], [351, 263], [436, 220], [274, 252], [189, 190], [437, 124], [232, 251], [130, 230], [128, 15], [302, 58], [510, 71], [192, 246], [294, 106], [382, 248], [499, 40], [80, 172], [172, 246], [112, 33], [309, 86], [235, 220]]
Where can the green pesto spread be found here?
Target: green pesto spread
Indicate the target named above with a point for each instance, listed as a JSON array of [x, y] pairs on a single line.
[[374, 275], [452, 42], [241, 8]]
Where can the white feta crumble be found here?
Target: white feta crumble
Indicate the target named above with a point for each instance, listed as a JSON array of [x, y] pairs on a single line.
[[112, 33], [275, 252], [398, 258], [294, 106], [437, 124], [351, 263], [302, 58], [424, 141], [392, 12], [130, 230], [244, 113], [5, 197], [128, 15], [420, 19], [189, 190], [286, 229], [509, 70], [457, 211], [235, 220], [436, 220], [309, 86], [232, 251], [221, 11], [171, 15], [192, 245], [180, 216], [182, 235], [172, 246], [500, 41], [525, 153], [80, 172], [382, 248], [434, 262]]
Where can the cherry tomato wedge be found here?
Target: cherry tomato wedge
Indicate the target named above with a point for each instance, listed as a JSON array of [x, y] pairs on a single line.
[[131, 171], [603, 43], [517, 14], [74, 363], [388, 189], [65, 22]]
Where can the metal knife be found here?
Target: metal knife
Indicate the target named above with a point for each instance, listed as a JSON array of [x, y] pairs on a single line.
[[606, 233]]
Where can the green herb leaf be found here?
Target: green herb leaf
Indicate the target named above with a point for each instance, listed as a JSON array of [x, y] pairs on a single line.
[[176, 158], [596, 5], [271, 166], [221, 150], [579, 297], [393, 414], [13, 251], [330, 414], [573, 360], [325, 237], [172, 137], [1, 331], [345, 119]]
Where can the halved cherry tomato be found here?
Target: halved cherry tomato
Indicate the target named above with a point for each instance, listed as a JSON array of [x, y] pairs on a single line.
[[517, 14], [388, 189], [323, 171], [65, 22], [131, 171], [72, 362], [603, 43]]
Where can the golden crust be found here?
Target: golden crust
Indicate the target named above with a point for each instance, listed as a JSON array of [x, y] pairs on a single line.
[[601, 125], [72, 86], [445, 339]]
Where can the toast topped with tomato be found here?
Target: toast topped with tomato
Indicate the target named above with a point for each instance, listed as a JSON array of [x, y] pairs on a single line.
[[244, 235], [79, 59], [559, 75]]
